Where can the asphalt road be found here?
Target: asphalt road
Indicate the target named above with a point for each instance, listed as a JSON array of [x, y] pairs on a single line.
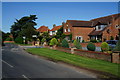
[[17, 63]]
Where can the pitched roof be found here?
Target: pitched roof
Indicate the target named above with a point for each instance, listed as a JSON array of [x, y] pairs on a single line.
[[56, 28], [106, 19], [43, 29], [79, 23], [95, 33]]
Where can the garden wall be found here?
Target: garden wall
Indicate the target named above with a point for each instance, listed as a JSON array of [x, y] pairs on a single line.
[[91, 54]]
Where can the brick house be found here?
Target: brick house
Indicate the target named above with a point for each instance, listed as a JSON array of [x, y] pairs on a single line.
[[105, 27], [79, 29], [100, 28], [53, 31], [42, 29]]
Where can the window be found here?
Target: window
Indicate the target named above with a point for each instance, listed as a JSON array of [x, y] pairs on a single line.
[[65, 30], [99, 27], [68, 30], [67, 25]]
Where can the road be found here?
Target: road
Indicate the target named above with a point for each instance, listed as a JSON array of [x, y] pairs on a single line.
[[16, 63]]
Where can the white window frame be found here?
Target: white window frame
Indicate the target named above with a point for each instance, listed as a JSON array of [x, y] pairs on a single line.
[[65, 30]]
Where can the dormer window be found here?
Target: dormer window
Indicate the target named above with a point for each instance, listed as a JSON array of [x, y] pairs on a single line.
[[100, 27]]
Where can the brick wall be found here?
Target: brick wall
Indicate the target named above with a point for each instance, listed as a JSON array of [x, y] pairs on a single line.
[[114, 58], [81, 31]]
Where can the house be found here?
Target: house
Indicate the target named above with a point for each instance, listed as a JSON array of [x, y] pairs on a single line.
[[78, 29], [106, 27], [53, 31], [42, 29], [99, 29]]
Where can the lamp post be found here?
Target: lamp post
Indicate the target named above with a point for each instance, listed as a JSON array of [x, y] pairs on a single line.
[[24, 39]]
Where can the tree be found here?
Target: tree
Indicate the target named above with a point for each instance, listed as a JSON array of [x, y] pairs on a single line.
[[54, 25], [24, 27]]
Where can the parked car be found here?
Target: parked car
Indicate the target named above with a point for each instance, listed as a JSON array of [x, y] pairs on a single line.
[[112, 43]]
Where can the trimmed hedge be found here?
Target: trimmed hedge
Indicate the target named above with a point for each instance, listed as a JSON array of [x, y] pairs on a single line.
[[104, 47], [91, 46]]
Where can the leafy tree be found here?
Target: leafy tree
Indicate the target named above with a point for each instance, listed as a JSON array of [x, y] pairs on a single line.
[[53, 41], [77, 44], [65, 43], [24, 27], [46, 36], [43, 40], [54, 25]]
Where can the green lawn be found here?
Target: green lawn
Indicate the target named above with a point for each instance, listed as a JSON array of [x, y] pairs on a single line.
[[95, 64]]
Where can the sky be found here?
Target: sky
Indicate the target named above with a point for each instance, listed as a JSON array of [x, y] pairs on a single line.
[[50, 13]]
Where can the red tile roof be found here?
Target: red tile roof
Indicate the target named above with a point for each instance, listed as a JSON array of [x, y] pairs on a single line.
[[43, 29], [56, 28]]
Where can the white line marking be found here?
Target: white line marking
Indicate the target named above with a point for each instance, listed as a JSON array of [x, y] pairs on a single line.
[[25, 77], [7, 63]]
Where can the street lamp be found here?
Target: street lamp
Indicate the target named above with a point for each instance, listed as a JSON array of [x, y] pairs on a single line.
[[24, 39]]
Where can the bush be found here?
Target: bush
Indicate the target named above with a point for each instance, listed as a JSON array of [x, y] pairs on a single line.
[[53, 41], [19, 40], [111, 38], [43, 40], [117, 47], [8, 39], [83, 41], [91, 46], [93, 40], [104, 47], [65, 44], [77, 44]]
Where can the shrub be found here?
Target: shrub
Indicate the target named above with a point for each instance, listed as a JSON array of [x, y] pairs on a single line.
[[8, 39], [91, 46], [117, 47], [43, 40], [104, 47], [83, 41], [111, 38], [77, 44], [65, 43], [53, 41], [19, 40], [93, 40]]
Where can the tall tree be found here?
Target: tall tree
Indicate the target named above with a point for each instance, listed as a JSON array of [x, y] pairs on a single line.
[[24, 27]]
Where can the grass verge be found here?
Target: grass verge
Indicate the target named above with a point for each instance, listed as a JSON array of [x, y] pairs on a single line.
[[76, 60]]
